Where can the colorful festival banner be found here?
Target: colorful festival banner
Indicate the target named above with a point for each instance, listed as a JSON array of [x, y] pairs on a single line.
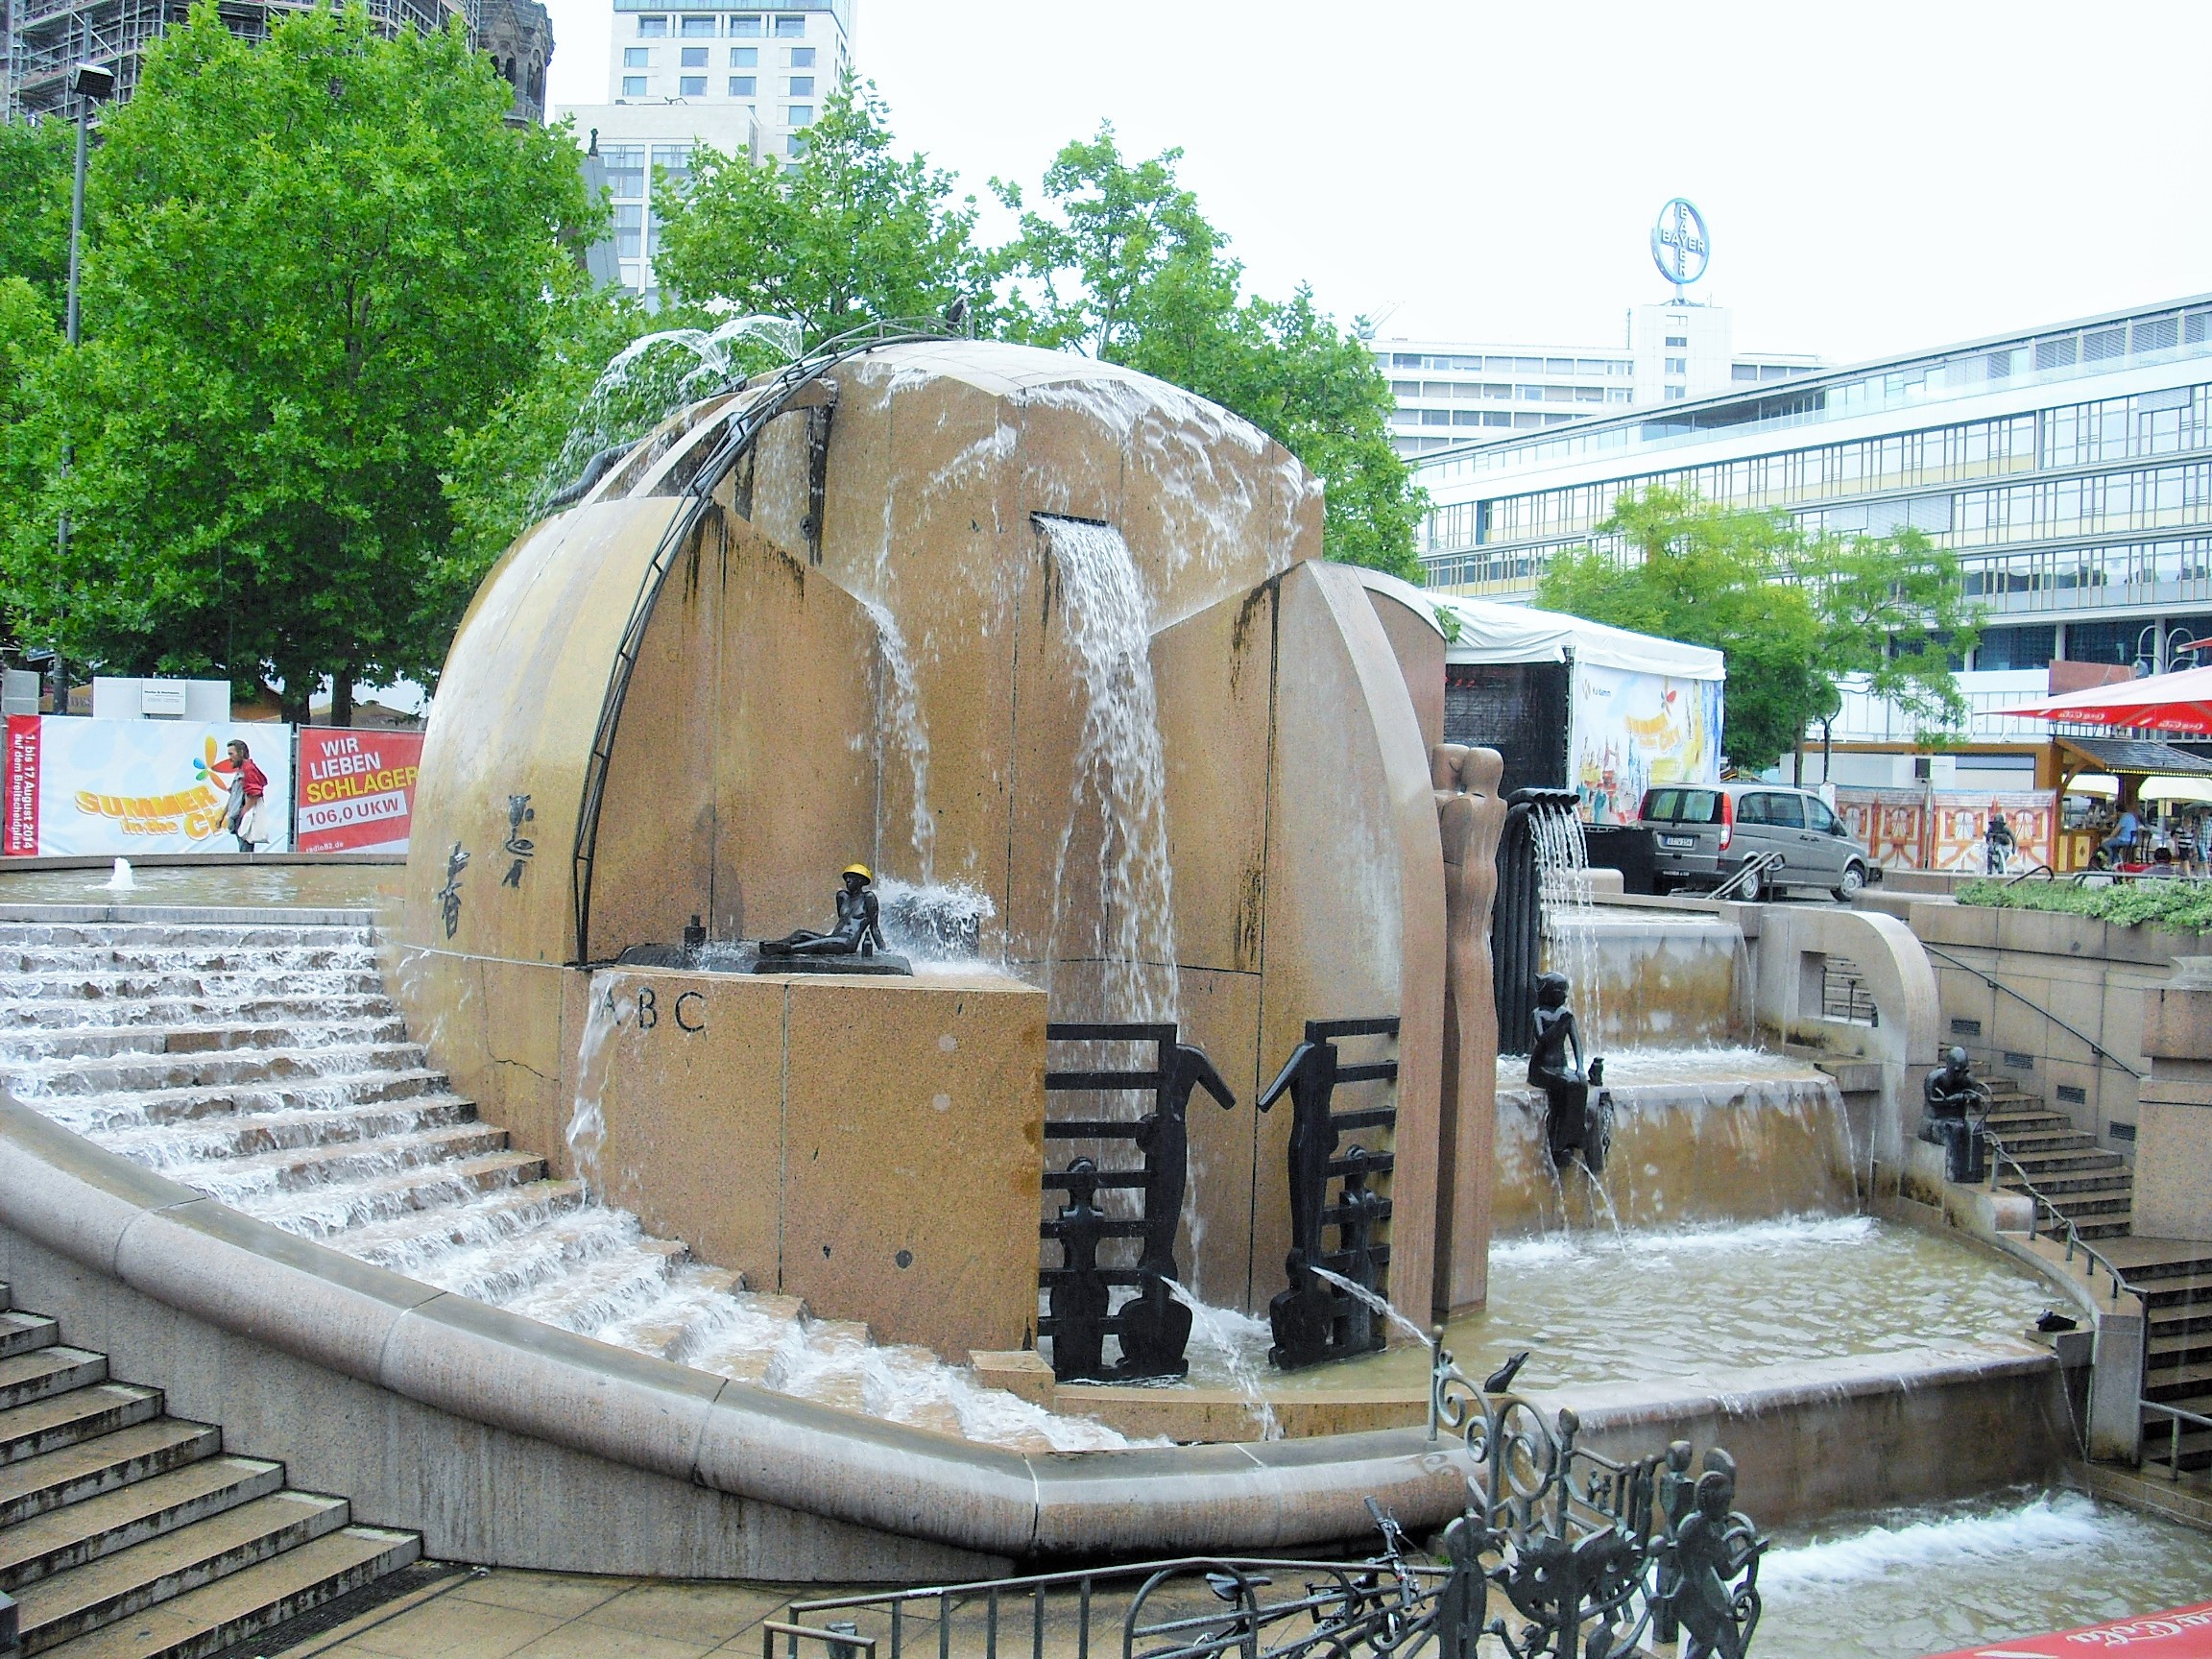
[[138, 786], [1914, 829], [1634, 729], [357, 789]]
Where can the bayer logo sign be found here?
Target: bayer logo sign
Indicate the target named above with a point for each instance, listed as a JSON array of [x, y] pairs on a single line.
[[1679, 245]]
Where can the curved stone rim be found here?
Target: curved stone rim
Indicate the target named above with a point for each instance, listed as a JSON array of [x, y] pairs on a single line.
[[485, 1364]]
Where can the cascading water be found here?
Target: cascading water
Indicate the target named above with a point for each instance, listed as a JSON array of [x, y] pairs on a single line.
[[307, 1107], [1570, 917], [899, 723], [651, 378], [1121, 773]]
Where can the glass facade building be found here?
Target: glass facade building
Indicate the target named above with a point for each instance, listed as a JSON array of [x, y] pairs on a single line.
[[2070, 469]]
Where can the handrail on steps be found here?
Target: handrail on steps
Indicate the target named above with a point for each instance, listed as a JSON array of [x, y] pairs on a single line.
[[1761, 862], [1995, 984], [2174, 1445], [2074, 1240]]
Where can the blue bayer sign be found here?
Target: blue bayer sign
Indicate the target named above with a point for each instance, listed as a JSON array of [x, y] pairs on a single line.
[[1679, 246]]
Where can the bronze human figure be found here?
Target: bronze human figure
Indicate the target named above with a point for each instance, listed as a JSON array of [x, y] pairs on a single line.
[[1556, 1065], [858, 930], [1956, 1107]]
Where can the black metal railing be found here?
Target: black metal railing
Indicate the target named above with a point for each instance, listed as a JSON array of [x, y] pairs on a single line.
[[2038, 1201], [2084, 1038], [2178, 1417]]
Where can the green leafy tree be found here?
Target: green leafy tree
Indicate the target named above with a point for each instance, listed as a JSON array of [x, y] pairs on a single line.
[[317, 262], [1119, 262], [38, 159], [1793, 616], [851, 234]]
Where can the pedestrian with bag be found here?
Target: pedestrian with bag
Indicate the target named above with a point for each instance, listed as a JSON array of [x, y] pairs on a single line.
[[249, 785]]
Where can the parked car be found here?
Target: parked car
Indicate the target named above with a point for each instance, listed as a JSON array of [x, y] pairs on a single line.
[[1702, 835]]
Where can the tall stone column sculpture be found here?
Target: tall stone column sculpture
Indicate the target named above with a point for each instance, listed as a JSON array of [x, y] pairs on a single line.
[[1471, 816]]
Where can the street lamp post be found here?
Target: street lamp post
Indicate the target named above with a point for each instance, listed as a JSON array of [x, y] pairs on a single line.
[[88, 84]]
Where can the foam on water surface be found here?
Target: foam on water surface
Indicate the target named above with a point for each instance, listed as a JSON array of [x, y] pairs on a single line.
[[1928, 1580]]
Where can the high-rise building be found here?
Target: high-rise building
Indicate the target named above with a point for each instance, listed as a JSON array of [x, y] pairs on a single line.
[[747, 79], [1451, 392], [40, 39], [2070, 467]]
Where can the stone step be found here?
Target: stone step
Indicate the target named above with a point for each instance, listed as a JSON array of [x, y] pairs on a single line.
[[99, 1116], [100, 1527], [2006, 1124], [292, 1169], [2177, 1317], [2052, 1141], [22, 1332], [63, 1080], [318, 1213], [233, 1610], [104, 1463], [117, 1013], [69, 1604], [2169, 1288], [167, 1145], [2185, 1260], [2087, 1184], [2163, 1347], [517, 1210], [70, 1419], [28, 1046], [179, 935], [595, 1294], [2115, 1227], [45, 1372], [2158, 1444], [2069, 1162], [85, 988], [69, 959], [2175, 1376]]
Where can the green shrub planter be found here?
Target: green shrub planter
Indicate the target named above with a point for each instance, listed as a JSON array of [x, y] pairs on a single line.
[[2185, 907]]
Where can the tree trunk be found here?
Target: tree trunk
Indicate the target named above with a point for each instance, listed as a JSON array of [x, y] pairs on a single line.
[[342, 697]]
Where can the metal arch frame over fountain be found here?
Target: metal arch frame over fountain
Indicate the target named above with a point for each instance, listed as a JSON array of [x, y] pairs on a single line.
[[778, 396]]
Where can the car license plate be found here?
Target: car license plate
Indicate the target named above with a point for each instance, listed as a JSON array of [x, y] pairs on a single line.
[[1684, 842]]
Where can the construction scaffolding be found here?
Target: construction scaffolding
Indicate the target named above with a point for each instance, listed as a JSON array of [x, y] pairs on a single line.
[[39, 39]]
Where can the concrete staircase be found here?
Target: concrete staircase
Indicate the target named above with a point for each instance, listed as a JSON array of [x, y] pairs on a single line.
[[126, 1533], [2092, 1187], [2175, 1280]]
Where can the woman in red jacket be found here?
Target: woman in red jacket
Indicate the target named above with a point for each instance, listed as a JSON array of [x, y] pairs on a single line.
[[249, 784]]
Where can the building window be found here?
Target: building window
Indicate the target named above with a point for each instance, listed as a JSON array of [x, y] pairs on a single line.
[[801, 87], [798, 115], [625, 171], [744, 86], [1677, 365], [796, 144], [745, 26], [801, 56], [744, 56], [1675, 391], [652, 27], [692, 86], [694, 57], [634, 85], [1677, 340], [790, 28], [695, 27], [1744, 372], [629, 225]]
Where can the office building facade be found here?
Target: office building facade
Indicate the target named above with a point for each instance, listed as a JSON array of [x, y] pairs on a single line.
[[1447, 393], [738, 80], [2069, 468]]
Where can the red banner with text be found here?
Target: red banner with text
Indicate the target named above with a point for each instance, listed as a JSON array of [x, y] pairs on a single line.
[[19, 835], [357, 789], [2183, 1634]]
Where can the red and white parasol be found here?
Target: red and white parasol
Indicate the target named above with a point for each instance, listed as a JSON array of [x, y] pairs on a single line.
[[2179, 702]]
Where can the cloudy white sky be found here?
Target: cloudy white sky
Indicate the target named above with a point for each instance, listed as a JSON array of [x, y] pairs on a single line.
[[1878, 176]]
